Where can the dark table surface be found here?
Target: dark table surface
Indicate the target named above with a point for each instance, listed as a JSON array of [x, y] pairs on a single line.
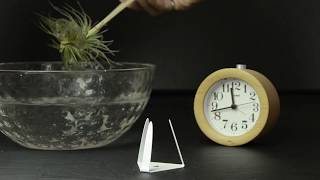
[[290, 151]]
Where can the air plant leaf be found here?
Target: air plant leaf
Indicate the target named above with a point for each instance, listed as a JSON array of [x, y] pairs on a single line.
[[71, 38]]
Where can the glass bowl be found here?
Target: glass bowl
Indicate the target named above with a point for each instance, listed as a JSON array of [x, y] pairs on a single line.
[[44, 107]]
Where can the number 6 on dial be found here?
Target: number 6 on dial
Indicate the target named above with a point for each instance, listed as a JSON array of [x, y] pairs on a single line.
[[234, 106]]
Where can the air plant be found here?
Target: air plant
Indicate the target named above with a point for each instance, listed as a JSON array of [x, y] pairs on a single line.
[[78, 41]]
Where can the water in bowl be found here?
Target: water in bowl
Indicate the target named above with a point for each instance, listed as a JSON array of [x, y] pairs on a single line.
[[68, 126]]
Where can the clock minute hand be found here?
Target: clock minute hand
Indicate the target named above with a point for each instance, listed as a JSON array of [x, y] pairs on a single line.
[[233, 105], [232, 97]]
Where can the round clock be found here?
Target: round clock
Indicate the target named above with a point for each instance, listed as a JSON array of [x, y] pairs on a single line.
[[234, 106]]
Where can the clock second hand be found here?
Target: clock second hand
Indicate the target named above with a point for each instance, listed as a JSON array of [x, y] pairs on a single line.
[[245, 103]]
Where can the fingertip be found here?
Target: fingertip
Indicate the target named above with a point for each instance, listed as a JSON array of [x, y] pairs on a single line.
[[135, 6], [181, 5], [145, 5]]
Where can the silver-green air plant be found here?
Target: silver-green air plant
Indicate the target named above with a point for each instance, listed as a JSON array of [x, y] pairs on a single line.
[[77, 40], [74, 39]]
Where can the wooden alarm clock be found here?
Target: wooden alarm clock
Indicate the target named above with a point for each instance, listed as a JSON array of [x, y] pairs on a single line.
[[234, 106]]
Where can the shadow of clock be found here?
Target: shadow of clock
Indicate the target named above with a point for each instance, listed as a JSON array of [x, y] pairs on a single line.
[[270, 140], [238, 162]]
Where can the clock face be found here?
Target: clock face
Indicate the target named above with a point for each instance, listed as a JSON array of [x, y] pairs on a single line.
[[232, 107]]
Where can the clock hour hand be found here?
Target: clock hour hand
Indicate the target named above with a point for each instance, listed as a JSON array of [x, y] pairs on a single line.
[[221, 109]]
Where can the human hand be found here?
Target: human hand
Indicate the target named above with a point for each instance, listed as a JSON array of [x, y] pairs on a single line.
[[156, 7]]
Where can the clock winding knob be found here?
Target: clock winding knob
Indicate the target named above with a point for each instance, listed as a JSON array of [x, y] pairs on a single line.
[[241, 66]]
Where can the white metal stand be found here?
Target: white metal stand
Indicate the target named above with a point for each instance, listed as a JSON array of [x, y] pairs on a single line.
[[145, 151]]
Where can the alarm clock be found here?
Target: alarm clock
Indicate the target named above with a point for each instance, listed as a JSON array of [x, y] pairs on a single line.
[[234, 106]]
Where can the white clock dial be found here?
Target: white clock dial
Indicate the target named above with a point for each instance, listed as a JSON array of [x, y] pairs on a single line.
[[232, 107]]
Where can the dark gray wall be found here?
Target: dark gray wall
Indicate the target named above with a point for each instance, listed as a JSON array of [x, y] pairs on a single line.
[[280, 38]]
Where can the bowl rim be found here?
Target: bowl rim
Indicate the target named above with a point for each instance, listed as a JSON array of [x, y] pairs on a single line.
[[144, 66]]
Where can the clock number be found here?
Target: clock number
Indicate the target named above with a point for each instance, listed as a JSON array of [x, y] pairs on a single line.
[[252, 96], [214, 106], [225, 87], [255, 107], [217, 115], [244, 125], [245, 88], [236, 85], [252, 117], [225, 123], [217, 96], [234, 126]]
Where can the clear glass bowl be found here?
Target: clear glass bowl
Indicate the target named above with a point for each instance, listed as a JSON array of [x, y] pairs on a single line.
[[44, 107]]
